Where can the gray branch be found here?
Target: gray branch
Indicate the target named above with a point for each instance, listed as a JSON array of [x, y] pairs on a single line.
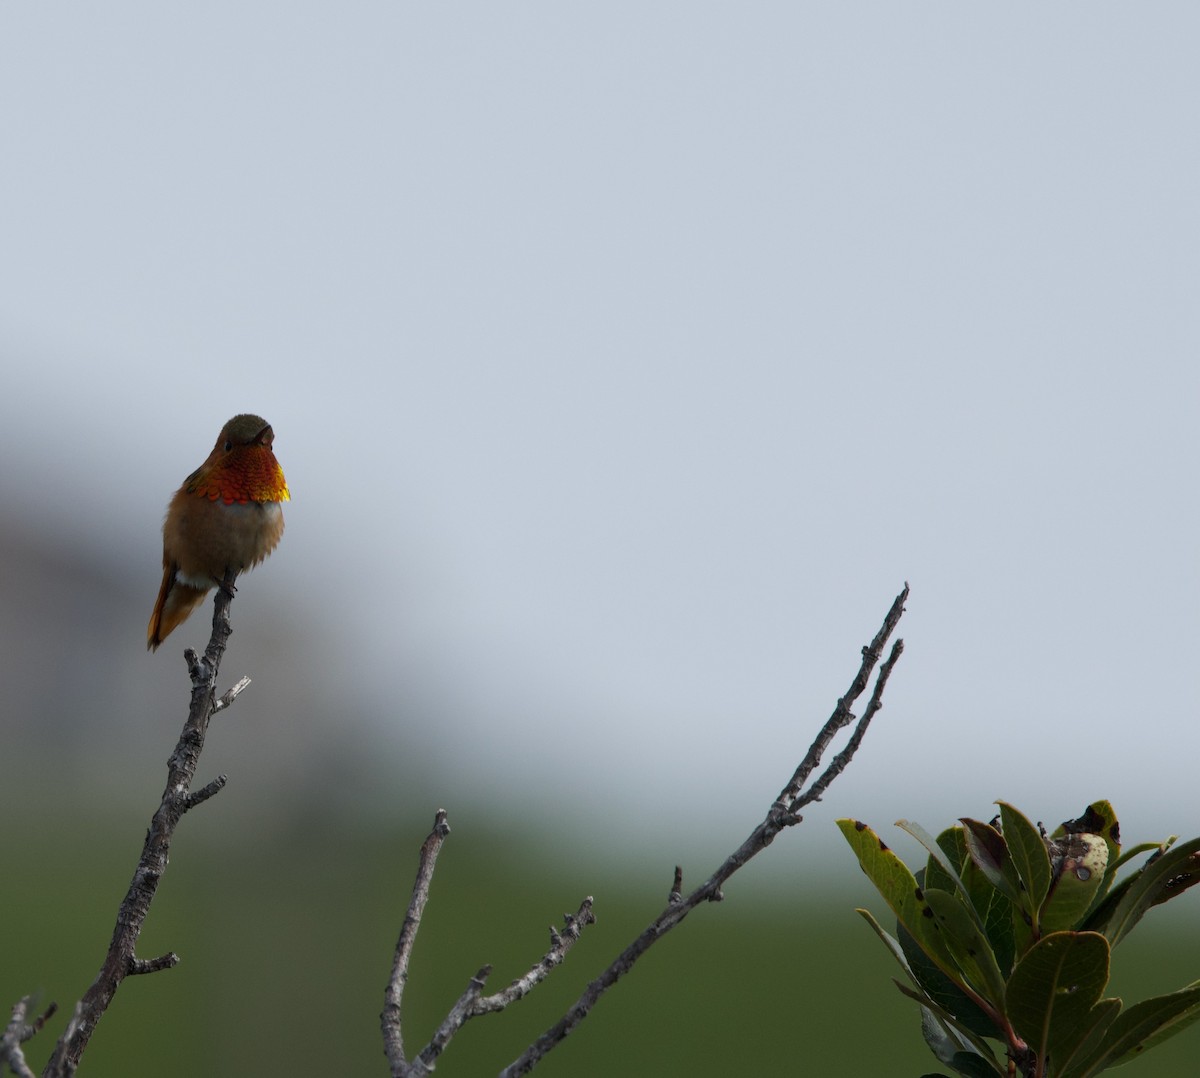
[[472, 1003], [178, 798], [121, 960], [17, 1033], [783, 813], [393, 1039]]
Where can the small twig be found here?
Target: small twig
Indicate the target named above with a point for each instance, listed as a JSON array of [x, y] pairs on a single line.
[[177, 798], [140, 966], [676, 894], [389, 1019], [783, 813], [230, 695], [17, 1033], [560, 944], [472, 1003], [458, 1014], [842, 715], [839, 762], [204, 793]]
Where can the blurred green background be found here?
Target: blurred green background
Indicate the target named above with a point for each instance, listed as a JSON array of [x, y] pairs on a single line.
[[286, 934]]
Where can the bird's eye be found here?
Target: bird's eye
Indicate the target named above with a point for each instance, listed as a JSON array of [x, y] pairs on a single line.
[[229, 447]]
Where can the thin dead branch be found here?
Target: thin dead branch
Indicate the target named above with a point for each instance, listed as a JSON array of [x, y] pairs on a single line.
[[784, 812], [17, 1033], [472, 1003], [393, 1038], [177, 799]]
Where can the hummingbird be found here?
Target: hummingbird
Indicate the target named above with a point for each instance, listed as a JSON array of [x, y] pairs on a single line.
[[227, 515]]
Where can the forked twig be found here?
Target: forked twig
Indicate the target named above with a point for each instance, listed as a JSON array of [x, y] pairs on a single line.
[[17, 1033], [472, 1003], [783, 813]]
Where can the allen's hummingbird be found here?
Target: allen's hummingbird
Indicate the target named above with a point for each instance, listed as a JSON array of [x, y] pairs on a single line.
[[227, 515]]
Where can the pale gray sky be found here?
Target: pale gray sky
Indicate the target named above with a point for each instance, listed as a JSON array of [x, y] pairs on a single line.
[[626, 359]]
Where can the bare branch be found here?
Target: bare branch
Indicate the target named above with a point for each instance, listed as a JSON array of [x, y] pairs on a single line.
[[783, 813], [177, 798], [839, 762], [560, 944], [461, 1011], [204, 793], [842, 715], [17, 1033], [389, 1019], [153, 965], [472, 1003], [676, 894], [231, 694]]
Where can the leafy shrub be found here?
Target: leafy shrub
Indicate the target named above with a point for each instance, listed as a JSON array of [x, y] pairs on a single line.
[[1006, 936]]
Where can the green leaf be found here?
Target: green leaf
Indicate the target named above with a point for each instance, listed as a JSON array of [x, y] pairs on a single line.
[[944, 993], [994, 909], [1100, 915], [1141, 848], [1053, 990], [889, 941], [977, 1042], [899, 889], [971, 1065], [966, 1055], [941, 1036], [1099, 818], [1142, 1026], [989, 852], [951, 844], [1160, 879], [1071, 1062], [968, 945], [931, 1009], [1169, 1029], [1028, 851], [1081, 860], [937, 855]]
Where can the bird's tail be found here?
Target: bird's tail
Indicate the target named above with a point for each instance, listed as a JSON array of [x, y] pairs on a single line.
[[176, 600]]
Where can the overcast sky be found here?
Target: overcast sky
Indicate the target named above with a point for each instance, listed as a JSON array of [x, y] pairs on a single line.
[[625, 360]]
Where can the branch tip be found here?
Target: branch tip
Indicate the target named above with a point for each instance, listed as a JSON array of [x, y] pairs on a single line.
[[204, 793], [43, 1018], [14, 1035], [140, 966], [231, 694]]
